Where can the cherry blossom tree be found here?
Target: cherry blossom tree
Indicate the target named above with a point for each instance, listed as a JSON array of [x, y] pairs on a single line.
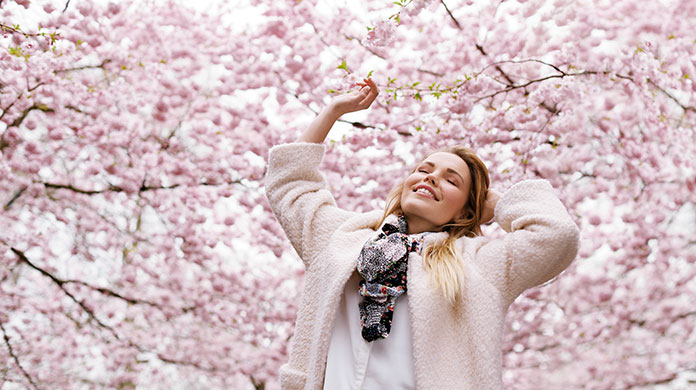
[[137, 248]]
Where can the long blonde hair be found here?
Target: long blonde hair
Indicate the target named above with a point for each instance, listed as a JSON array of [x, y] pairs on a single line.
[[441, 260]]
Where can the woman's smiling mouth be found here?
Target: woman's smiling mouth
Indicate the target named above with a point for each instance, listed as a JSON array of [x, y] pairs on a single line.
[[425, 190]]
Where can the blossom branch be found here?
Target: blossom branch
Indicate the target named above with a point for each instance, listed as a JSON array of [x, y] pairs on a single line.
[[351, 38], [22, 116], [643, 384], [14, 197], [26, 112], [456, 22], [15, 358], [61, 284], [142, 188], [509, 80], [520, 62], [111, 293], [99, 66], [669, 95], [513, 87]]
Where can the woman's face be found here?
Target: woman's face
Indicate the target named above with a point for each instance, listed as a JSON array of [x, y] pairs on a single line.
[[436, 192]]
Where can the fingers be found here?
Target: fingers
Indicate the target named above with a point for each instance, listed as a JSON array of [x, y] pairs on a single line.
[[358, 99], [372, 85], [372, 92]]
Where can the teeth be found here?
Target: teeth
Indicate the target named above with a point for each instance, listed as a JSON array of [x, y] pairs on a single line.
[[424, 191]]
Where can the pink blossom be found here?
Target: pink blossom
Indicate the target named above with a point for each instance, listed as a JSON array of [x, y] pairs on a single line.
[[136, 167], [382, 34]]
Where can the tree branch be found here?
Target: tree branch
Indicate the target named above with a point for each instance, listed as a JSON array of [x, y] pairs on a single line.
[[513, 87], [23, 116], [456, 22], [669, 95], [257, 385], [644, 383], [112, 188], [430, 72], [61, 284], [510, 82], [541, 130], [15, 358], [4, 110], [556, 68], [363, 46], [100, 66], [26, 112], [15, 197]]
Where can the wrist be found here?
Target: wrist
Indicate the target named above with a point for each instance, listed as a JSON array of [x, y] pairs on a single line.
[[331, 111]]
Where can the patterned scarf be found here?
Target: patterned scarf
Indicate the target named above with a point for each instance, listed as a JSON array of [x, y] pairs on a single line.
[[383, 263]]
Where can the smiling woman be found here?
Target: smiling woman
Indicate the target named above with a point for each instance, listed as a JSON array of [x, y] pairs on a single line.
[[412, 297], [447, 191]]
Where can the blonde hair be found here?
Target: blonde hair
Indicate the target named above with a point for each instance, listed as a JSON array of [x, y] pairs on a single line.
[[441, 260]]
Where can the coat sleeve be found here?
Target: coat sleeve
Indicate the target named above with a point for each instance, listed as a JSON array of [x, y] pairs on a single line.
[[541, 240], [299, 197]]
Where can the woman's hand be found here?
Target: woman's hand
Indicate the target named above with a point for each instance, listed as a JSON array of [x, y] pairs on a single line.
[[356, 100], [349, 102], [492, 199]]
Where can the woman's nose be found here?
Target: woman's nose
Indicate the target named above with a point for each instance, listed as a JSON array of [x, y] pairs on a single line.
[[431, 178]]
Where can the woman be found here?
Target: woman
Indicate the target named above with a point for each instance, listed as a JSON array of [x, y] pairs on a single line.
[[412, 297]]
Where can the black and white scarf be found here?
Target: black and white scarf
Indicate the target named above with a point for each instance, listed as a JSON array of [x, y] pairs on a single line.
[[383, 263]]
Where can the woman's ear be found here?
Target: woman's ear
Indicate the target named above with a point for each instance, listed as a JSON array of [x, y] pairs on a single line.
[[467, 213]]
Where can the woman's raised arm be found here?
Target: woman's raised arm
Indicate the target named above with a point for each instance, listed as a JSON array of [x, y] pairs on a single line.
[[295, 188]]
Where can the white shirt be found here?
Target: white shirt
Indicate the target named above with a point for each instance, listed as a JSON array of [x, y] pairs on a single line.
[[355, 364]]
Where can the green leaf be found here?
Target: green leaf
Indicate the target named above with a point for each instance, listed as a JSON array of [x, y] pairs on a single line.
[[343, 66], [370, 74]]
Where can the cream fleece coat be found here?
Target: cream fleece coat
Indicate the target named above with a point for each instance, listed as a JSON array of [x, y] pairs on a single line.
[[455, 347]]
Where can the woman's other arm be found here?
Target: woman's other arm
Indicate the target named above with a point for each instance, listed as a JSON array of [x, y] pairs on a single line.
[[542, 239]]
